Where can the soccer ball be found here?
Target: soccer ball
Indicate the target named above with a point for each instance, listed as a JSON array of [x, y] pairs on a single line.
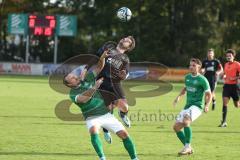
[[124, 14]]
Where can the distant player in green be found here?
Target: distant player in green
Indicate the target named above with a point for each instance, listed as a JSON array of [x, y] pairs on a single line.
[[84, 93], [197, 88]]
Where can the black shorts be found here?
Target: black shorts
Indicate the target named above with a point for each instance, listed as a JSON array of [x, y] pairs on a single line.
[[115, 89], [212, 83], [230, 91]]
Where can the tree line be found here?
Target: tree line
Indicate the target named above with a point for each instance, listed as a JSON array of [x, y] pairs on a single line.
[[166, 31]]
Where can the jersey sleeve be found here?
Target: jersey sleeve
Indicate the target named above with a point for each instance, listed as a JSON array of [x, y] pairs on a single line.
[[205, 84], [127, 69], [90, 77], [73, 97], [74, 94], [127, 65]]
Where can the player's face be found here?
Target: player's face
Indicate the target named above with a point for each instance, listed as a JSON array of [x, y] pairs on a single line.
[[194, 67], [229, 57], [73, 80], [125, 43], [210, 55]]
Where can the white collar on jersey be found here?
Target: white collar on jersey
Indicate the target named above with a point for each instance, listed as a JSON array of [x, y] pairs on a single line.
[[195, 75]]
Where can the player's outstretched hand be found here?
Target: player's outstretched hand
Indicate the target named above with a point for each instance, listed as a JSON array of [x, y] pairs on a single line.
[[206, 109], [98, 83]]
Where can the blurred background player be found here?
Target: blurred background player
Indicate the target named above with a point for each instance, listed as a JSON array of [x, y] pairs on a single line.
[[196, 86], [230, 89], [212, 68], [115, 70], [85, 94]]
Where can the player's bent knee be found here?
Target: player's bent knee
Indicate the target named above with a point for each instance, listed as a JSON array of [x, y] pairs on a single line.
[[187, 120], [93, 130], [225, 101], [186, 123], [176, 127], [122, 134]]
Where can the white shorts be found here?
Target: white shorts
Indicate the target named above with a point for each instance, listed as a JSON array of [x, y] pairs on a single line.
[[193, 112], [107, 121]]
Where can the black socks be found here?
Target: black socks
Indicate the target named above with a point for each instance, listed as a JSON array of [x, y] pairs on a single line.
[[224, 114]]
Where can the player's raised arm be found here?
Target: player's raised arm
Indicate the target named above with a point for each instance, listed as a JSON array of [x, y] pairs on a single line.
[[87, 95], [101, 63], [183, 91]]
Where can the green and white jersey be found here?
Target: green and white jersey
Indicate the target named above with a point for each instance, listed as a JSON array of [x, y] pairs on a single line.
[[196, 86], [96, 105]]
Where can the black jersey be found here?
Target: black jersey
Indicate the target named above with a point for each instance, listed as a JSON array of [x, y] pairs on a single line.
[[113, 64], [211, 67]]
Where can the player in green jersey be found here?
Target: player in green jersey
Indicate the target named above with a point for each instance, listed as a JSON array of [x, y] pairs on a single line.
[[197, 88], [84, 93]]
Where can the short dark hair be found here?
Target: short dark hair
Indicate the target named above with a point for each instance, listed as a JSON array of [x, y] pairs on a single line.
[[232, 51], [65, 82], [196, 60], [133, 43]]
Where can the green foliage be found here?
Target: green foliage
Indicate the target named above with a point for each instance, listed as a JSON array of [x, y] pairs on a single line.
[[164, 29]]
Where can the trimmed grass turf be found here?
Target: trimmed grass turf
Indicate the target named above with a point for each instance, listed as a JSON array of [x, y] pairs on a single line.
[[30, 130]]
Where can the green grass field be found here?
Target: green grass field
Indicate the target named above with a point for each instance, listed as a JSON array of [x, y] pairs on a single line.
[[30, 130]]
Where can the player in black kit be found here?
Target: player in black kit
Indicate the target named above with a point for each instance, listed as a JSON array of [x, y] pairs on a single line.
[[211, 68], [115, 70]]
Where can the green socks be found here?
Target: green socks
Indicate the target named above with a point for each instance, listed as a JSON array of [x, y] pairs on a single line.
[[96, 142], [181, 136], [129, 146], [188, 134]]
